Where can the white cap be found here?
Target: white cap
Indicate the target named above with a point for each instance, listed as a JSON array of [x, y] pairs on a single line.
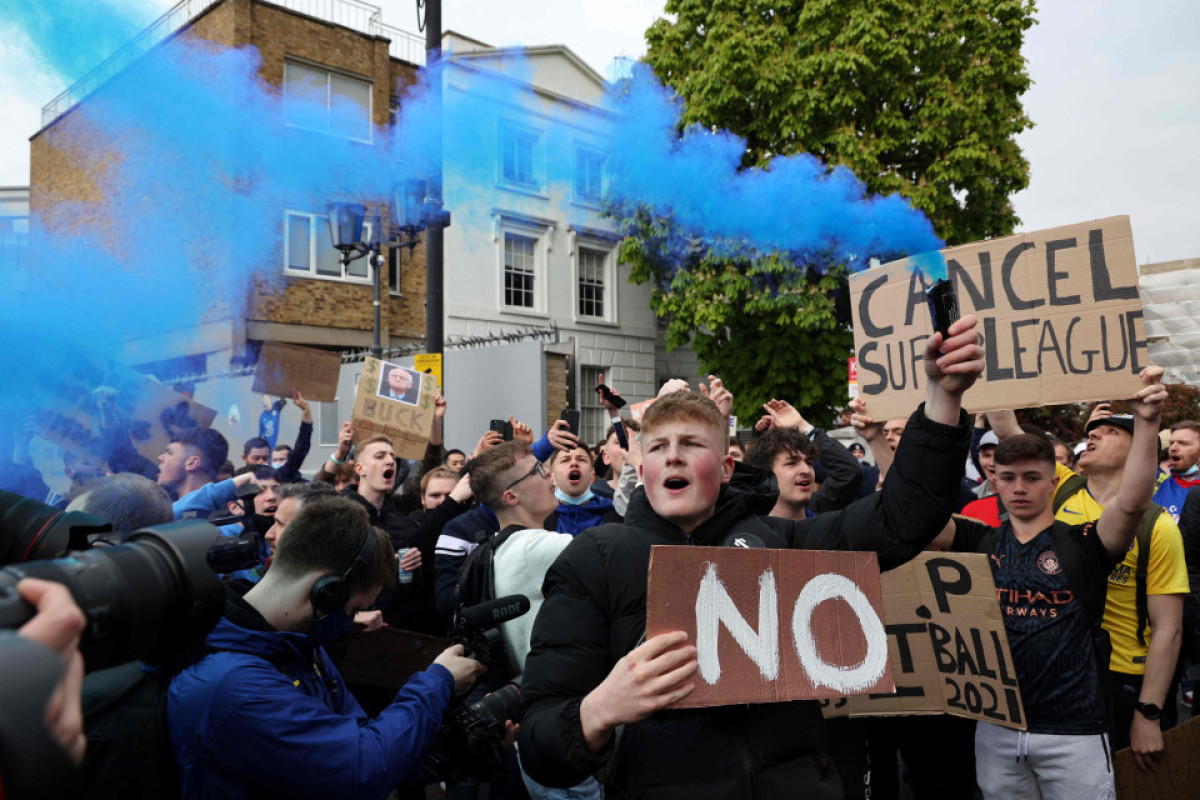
[[989, 438]]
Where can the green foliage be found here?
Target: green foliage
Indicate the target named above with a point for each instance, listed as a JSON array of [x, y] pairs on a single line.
[[919, 97], [767, 328], [1067, 422]]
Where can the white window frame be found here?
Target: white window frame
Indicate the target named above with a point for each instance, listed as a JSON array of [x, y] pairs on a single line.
[[542, 232], [537, 158], [596, 242], [318, 226], [591, 410], [329, 73], [588, 200], [396, 270]]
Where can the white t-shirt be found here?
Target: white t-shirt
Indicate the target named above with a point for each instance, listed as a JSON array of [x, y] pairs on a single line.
[[519, 567]]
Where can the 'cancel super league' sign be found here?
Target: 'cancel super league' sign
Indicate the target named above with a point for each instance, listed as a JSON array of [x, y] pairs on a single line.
[[1059, 311]]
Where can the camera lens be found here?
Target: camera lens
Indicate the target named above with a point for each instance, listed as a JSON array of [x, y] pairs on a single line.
[[144, 600]]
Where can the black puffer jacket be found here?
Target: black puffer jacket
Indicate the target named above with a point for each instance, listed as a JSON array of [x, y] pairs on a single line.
[[595, 613]]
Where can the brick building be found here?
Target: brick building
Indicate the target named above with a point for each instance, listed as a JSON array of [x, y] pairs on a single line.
[[569, 276], [311, 299]]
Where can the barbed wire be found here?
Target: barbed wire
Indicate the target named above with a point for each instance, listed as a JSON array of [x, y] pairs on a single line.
[[399, 351]]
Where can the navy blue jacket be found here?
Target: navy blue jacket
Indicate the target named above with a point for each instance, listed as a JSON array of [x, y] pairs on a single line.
[[269, 716]]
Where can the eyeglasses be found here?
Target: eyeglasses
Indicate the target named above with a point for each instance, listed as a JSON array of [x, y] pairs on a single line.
[[538, 470]]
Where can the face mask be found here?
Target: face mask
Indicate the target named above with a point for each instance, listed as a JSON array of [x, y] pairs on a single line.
[[276, 463], [1189, 472], [331, 628], [573, 501]]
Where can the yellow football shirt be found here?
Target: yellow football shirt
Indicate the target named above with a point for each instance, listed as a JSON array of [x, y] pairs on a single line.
[[1166, 573]]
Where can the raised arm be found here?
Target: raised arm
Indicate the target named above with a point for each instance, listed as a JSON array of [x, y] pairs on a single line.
[[1119, 522], [871, 432], [844, 474], [919, 493]]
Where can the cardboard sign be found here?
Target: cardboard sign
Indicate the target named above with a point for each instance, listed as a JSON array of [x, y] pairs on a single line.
[[98, 401], [772, 625], [946, 644], [161, 413], [1059, 311], [638, 410], [395, 401], [387, 658], [284, 367], [430, 364], [1175, 777]]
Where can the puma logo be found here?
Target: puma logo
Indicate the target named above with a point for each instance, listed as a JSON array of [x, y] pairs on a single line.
[[997, 559]]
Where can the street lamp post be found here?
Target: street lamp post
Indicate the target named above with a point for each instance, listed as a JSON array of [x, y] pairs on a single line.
[[345, 231], [415, 210]]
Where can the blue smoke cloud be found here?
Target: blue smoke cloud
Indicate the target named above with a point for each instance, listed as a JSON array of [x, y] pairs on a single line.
[[795, 205], [71, 38], [186, 223]]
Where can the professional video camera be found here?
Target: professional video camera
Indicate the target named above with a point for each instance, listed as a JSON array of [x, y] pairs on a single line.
[[244, 551], [144, 600], [469, 741]]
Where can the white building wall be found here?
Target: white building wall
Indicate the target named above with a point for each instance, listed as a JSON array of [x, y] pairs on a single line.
[[565, 109]]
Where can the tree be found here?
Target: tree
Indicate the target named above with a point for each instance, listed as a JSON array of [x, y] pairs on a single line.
[[919, 97], [1068, 421]]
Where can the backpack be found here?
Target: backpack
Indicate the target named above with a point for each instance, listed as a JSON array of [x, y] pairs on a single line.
[[129, 753], [1077, 483], [476, 582]]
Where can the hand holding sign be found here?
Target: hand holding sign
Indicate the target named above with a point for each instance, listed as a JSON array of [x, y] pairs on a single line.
[[647, 679], [1148, 402]]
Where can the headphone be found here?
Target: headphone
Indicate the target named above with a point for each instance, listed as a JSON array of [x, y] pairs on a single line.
[[331, 591]]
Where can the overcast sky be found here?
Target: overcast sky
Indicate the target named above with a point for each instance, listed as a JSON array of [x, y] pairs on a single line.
[[1114, 98]]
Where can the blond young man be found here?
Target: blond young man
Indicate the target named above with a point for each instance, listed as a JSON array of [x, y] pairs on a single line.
[[588, 675]]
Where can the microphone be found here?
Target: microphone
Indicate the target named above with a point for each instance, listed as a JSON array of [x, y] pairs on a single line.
[[493, 612]]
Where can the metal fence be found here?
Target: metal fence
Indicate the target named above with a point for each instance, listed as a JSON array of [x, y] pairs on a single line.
[[354, 14]]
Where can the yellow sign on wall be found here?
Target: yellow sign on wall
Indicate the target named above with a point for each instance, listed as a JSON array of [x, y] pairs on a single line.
[[430, 364]]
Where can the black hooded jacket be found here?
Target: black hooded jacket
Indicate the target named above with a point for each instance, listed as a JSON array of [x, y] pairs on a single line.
[[595, 613]]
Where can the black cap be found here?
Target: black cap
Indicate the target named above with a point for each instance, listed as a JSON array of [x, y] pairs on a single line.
[[1122, 421]]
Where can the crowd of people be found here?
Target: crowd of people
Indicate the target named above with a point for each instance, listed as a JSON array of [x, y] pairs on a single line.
[[1094, 549]]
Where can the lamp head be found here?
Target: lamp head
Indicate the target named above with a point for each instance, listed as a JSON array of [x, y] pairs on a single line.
[[345, 225]]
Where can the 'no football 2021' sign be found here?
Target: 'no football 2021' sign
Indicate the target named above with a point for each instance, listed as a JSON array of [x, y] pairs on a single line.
[[1059, 311], [772, 625]]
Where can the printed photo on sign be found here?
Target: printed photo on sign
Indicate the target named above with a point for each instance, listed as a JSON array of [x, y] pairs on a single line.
[[400, 384]]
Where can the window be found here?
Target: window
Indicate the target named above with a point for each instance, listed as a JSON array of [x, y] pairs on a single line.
[[326, 101], [394, 258], [593, 419], [589, 176], [519, 152], [331, 424], [520, 269], [591, 282], [309, 252]]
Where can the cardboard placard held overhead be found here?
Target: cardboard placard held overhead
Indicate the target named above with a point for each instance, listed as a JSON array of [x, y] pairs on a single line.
[[284, 367], [772, 625], [396, 401], [1059, 311], [1176, 776], [946, 644], [161, 413], [638, 410]]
